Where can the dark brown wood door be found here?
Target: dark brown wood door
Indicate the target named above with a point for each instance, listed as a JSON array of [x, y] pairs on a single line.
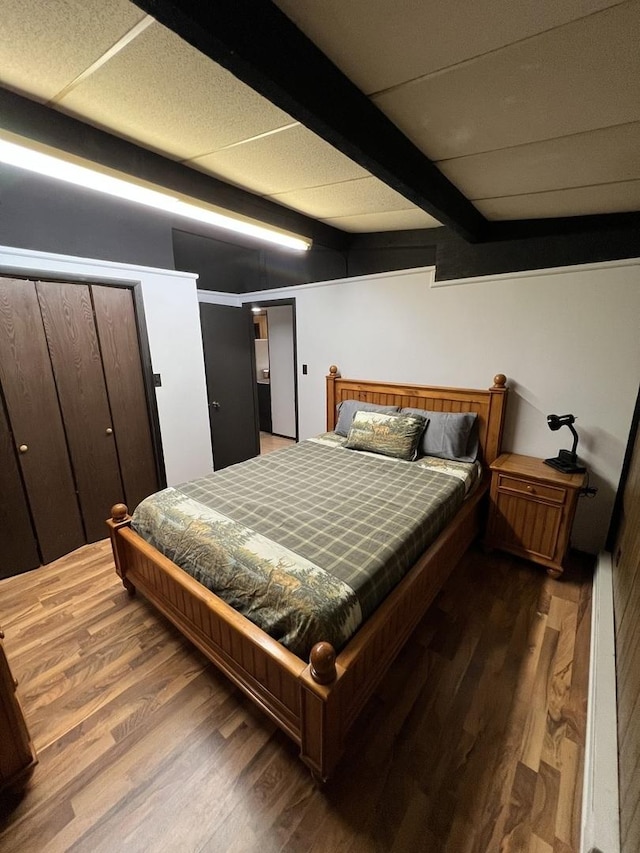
[[116, 323], [69, 325], [18, 550], [34, 414]]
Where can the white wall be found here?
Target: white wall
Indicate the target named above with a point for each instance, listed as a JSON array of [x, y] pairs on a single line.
[[175, 343], [281, 360], [567, 339]]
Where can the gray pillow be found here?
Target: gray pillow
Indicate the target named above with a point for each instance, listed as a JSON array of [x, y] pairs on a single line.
[[347, 409], [449, 435], [391, 434]]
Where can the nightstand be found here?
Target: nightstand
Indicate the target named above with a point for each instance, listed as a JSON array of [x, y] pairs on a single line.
[[532, 507]]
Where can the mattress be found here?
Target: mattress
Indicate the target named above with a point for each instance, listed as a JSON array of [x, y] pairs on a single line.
[[307, 541]]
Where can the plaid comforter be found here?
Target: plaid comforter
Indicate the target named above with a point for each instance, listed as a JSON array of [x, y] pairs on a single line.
[[306, 541]]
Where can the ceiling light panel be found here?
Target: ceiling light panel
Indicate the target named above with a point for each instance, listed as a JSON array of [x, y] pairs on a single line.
[[575, 78], [395, 220], [365, 195], [379, 44], [46, 45], [584, 159], [580, 201], [170, 98], [292, 159]]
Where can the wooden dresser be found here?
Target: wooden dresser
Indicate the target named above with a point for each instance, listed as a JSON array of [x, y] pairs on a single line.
[[17, 755], [532, 507]]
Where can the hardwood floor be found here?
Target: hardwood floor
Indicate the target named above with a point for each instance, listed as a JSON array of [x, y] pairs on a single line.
[[269, 442], [474, 742]]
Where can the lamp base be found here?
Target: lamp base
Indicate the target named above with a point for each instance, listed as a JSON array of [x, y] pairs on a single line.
[[567, 462]]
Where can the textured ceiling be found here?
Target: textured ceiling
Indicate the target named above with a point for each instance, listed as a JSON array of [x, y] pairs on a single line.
[[530, 110]]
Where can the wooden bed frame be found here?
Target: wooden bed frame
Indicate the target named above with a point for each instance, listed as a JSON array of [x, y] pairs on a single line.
[[317, 702]]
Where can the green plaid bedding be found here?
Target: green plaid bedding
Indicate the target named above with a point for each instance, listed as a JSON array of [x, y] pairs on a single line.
[[307, 541]]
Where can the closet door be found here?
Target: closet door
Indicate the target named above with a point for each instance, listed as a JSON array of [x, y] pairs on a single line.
[[18, 551], [32, 405], [116, 322], [67, 314]]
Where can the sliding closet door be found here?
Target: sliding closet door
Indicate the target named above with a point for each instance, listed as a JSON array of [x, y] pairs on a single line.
[[116, 322], [18, 551], [38, 433], [67, 314]]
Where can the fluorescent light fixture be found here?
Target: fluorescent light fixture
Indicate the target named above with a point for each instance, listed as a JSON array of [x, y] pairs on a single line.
[[256, 310], [63, 170]]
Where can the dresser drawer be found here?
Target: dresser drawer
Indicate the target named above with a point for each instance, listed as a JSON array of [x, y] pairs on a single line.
[[532, 489]]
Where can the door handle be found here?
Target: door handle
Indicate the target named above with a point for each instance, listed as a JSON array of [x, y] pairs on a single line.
[[215, 404]]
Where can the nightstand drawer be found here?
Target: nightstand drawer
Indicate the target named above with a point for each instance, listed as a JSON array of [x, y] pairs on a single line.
[[533, 489]]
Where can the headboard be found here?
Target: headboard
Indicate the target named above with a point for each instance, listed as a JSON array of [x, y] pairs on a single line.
[[490, 405]]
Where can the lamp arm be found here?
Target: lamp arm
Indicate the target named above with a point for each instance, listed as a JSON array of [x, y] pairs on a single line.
[[575, 438]]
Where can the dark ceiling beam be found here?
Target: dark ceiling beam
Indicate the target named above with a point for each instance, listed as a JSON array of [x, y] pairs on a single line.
[[259, 45], [31, 120]]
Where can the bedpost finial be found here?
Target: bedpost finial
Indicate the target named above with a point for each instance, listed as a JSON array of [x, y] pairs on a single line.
[[323, 663], [333, 371], [499, 380], [119, 512]]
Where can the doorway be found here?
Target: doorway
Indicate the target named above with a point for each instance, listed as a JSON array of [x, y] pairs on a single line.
[[276, 375]]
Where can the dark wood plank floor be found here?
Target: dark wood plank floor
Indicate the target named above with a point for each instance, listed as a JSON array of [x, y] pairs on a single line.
[[473, 743]]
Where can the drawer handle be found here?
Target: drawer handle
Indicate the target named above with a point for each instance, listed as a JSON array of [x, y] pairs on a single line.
[[531, 489]]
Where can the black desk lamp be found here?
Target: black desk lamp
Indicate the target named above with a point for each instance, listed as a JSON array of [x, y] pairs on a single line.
[[566, 460]]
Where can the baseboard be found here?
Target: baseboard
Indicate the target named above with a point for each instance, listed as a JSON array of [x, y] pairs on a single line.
[[600, 798]]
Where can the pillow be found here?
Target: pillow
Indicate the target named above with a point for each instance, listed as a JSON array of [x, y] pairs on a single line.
[[449, 435], [391, 434], [348, 408]]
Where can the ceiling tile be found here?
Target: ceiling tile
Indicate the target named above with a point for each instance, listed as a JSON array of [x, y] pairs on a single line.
[[581, 201], [169, 97], [290, 159], [378, 43], [365, 195], [46, 45], [597, 157], [575, 78], [396, 220]]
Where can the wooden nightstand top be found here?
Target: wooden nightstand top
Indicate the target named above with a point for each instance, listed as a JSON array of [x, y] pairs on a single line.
[[530, 466]]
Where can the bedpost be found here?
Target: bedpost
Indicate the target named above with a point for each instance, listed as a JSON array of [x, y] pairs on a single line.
[[495, 418], [321, 730], [334, 374], [322, 662], [120, 518]]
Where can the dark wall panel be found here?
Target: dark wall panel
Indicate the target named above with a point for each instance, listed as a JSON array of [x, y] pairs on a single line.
[[458, 259], [283, 269], [51, 216], [455, 258], [234, 266], [220, 264]]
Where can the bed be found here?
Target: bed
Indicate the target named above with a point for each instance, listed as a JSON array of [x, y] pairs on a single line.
[[315, 699]]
